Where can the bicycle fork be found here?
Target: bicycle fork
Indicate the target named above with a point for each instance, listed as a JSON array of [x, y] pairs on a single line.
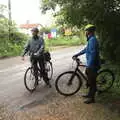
[[72, 77]]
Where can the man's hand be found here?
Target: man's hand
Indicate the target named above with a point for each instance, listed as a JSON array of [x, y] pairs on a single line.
[[74, 57], [36, 55]]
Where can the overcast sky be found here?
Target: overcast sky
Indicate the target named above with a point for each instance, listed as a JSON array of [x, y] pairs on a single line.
[[23, 10]]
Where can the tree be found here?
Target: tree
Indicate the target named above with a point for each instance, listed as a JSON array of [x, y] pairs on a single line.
[[45, 30], [14, 44], [2, 11], [105, 14]]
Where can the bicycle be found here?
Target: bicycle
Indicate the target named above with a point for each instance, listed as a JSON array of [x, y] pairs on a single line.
[[71, 81], [29, 74]]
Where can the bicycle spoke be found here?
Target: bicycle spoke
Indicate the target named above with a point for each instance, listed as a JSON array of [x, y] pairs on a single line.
[[104, 80], [67, 84], [29, 80]]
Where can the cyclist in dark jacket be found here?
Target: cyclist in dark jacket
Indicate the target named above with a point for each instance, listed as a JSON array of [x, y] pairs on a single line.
[[35, 48], [93, 61]]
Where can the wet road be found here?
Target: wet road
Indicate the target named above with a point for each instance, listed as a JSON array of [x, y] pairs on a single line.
[[12, 90]]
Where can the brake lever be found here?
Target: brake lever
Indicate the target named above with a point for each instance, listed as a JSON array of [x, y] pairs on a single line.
[[73, 63]]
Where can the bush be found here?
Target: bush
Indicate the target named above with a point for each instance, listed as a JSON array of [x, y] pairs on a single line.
[[65, 41], [11, 42], [14, 46]]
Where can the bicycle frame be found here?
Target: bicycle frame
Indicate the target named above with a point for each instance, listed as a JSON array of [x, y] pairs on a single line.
[[78, 75], [77, 70]]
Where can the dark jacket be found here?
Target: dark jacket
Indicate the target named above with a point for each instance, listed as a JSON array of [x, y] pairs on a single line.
[[34, 45]]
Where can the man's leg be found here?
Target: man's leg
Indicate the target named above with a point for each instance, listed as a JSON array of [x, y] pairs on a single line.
[[93, 84], [87, 82], [43, 72], [92, 89], [35, 68]]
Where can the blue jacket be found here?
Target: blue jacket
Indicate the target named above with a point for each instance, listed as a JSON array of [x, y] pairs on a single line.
[[92, 53]]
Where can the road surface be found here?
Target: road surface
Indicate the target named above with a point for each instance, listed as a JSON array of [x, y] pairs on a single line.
[[12, 90]]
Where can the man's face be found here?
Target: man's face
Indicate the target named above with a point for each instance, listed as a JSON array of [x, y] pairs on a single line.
[[87, 33], [34, 33]]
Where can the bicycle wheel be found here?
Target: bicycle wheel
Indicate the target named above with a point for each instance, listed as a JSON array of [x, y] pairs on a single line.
[[68, 83], [105, 79], [29, 80], [49, 69]]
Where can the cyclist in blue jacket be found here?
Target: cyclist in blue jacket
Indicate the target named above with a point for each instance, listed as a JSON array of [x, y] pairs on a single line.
[[93, 62]]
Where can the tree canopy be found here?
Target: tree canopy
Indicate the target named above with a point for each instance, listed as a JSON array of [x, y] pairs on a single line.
[[11, 42], [105, 14]]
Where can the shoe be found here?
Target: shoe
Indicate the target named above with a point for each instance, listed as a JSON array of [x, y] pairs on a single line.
[[89, 101], [48, 83], [37, 82], [85, 96], [87, 85]]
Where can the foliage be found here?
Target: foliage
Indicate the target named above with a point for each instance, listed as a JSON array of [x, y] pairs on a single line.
[[14, 46], [2, 10], [45, 30], [11, 41], [105, 14], [65, 41]]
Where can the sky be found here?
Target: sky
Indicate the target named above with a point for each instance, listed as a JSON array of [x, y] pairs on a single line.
[[23, 10]]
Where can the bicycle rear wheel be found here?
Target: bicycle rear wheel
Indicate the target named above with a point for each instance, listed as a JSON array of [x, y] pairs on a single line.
[[68, 83], [29, 80], [105, 80], [49, 69]]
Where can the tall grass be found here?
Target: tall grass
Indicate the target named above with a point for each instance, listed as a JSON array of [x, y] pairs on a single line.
[[65, 41], [13, 49]]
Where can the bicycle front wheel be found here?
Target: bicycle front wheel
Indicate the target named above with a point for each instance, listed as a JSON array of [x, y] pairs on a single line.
[[105, 80], [68, 83], [29, 80]]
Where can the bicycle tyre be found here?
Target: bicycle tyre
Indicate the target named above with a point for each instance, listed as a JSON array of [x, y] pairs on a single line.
[[78, 78], [104, 83], [25, 80], [49, 68]]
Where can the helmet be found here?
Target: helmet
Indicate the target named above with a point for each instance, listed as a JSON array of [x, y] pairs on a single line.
[[90, 28], [35, 29]]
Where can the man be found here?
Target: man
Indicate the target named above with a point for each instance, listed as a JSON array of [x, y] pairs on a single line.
[[93, 64], [35, 47]]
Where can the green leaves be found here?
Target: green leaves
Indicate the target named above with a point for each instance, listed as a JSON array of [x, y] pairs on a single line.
[[105, 14], [2, 9], [12, 46], [47, 5]]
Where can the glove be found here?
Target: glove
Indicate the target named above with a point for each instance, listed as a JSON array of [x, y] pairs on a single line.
[[74, 57], [36, 55]]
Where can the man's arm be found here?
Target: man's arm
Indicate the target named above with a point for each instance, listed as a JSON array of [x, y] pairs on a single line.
[[80, 53], [26, 48], [93, 52]]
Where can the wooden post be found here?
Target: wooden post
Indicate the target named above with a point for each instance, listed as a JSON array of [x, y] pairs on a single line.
[[10, 18]]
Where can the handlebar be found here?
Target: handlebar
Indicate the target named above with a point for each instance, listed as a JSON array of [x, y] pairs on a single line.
[[78, 61]]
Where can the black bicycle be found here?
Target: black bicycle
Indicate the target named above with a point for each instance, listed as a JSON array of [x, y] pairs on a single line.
[[70, 82], [29, 77]]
